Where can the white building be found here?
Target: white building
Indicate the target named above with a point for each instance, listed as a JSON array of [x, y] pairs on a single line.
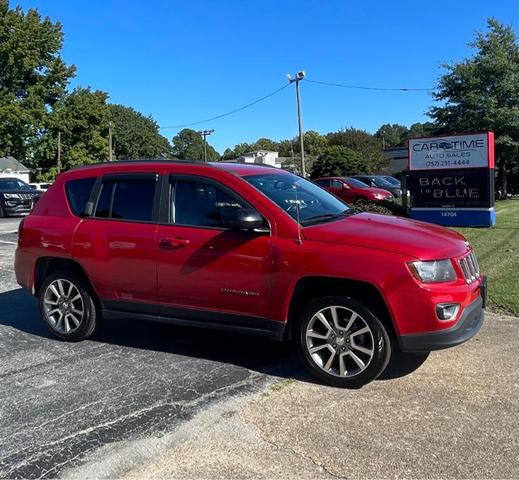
[[10, 167], [261, 157]]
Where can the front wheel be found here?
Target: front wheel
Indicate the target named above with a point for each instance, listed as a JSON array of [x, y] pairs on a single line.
[[342, 342], [68, 307]]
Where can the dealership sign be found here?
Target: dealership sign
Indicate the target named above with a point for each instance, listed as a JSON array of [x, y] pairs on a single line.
[[447, 152], [451, 180]]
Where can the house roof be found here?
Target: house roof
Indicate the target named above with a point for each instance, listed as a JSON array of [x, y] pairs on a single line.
[[400, 152], [13, 165], [261, 151]]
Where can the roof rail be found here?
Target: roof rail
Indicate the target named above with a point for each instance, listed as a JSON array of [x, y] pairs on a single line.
[[160, 160]]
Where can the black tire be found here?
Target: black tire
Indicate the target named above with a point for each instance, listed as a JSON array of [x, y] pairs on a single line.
[[91, 317], [2, 212], [375, 340]]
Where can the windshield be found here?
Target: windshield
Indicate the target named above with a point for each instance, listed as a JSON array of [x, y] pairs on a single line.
[[13, 184], [299, 197], [353, 182], [380, 182], [392, 181]]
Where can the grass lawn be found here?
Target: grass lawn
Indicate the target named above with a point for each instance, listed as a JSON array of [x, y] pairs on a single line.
[[497, 251]]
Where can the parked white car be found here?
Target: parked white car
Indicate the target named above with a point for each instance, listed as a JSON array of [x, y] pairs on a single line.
[[42, 187]]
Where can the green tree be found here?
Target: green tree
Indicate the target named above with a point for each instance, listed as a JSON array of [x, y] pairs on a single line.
[[337, 160], [392, 135], [228, 154], [189, 145], [362, 142], [286, 148], [265, 144], [425, 129], [33, 77], [136, 136], [82, 118], [482, 93]]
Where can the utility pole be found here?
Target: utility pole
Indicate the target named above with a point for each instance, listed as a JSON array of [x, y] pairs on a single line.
[[205, 134], [58, 162], [110, 155], [297, 78]]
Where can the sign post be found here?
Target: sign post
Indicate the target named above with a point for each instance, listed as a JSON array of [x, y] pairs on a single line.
[[451, 179]]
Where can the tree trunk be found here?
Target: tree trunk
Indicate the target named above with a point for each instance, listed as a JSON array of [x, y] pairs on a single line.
[[504, 180]]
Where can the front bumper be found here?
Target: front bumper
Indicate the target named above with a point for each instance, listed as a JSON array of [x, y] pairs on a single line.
[[20, 208], [467, 326]]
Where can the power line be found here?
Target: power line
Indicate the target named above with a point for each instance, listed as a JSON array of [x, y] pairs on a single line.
[[232, 111], [361, 87]]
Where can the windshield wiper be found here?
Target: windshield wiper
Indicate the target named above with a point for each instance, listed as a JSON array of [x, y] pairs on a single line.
[[327, 216]]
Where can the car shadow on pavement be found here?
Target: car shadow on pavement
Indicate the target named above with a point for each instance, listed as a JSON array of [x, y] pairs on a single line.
[[20, 311]]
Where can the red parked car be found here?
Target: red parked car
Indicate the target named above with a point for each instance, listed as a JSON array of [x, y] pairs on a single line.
[[247, 248], [352, 190]]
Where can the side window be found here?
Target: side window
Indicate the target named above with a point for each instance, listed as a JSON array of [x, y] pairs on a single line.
[[78, 193], [105, 200], [336, 184], [127, 199], [323, 183], [202, 204]]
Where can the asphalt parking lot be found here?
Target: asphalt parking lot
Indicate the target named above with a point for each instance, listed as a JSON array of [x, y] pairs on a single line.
[[171, 390]]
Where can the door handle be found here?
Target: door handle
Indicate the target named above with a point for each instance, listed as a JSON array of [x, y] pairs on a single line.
[[172, 243]]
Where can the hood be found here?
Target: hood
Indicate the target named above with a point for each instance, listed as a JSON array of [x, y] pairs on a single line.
[[25, 191], [395, 234], [381, 191]]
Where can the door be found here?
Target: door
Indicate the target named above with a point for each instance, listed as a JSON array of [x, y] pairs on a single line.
[[116, 245], [342, 190], [202, 264]]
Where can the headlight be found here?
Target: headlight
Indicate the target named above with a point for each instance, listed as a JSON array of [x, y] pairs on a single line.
[[433, 271], [379, 196], [11, 195]]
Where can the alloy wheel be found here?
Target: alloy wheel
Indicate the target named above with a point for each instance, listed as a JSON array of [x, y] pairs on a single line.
[[339, 341], [63, 306]]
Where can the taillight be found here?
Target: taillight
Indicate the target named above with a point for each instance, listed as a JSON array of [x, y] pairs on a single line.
[[20, 229]]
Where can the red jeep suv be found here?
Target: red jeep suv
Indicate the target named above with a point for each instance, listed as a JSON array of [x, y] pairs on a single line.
[[247, 248]]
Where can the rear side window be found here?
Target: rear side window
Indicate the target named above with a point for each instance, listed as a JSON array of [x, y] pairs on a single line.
[[78, 193], [128, 199]]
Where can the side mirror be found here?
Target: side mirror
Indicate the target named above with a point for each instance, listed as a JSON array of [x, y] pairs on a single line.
[[245, 219], [346, 186]]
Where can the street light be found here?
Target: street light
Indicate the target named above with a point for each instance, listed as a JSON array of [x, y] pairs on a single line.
[[297, 78], [204, 134]]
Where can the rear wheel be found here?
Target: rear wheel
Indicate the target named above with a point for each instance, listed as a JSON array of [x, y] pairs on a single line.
[[68, 307], [342, 342]]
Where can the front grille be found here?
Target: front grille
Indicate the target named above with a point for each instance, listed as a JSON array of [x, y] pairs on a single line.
[[469, 266], [26, 196]]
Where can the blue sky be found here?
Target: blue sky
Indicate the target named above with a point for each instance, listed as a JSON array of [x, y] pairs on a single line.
[[184, 61]]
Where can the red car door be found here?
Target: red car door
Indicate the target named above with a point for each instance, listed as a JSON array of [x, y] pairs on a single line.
[[116, 245], [342, 190], [204, 266]]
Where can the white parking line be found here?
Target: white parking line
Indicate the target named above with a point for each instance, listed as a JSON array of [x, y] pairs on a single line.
[[8, 242]]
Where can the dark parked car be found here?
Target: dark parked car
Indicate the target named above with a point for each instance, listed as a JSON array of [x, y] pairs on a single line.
[[16, 196], [378, 181], [392, 180]]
